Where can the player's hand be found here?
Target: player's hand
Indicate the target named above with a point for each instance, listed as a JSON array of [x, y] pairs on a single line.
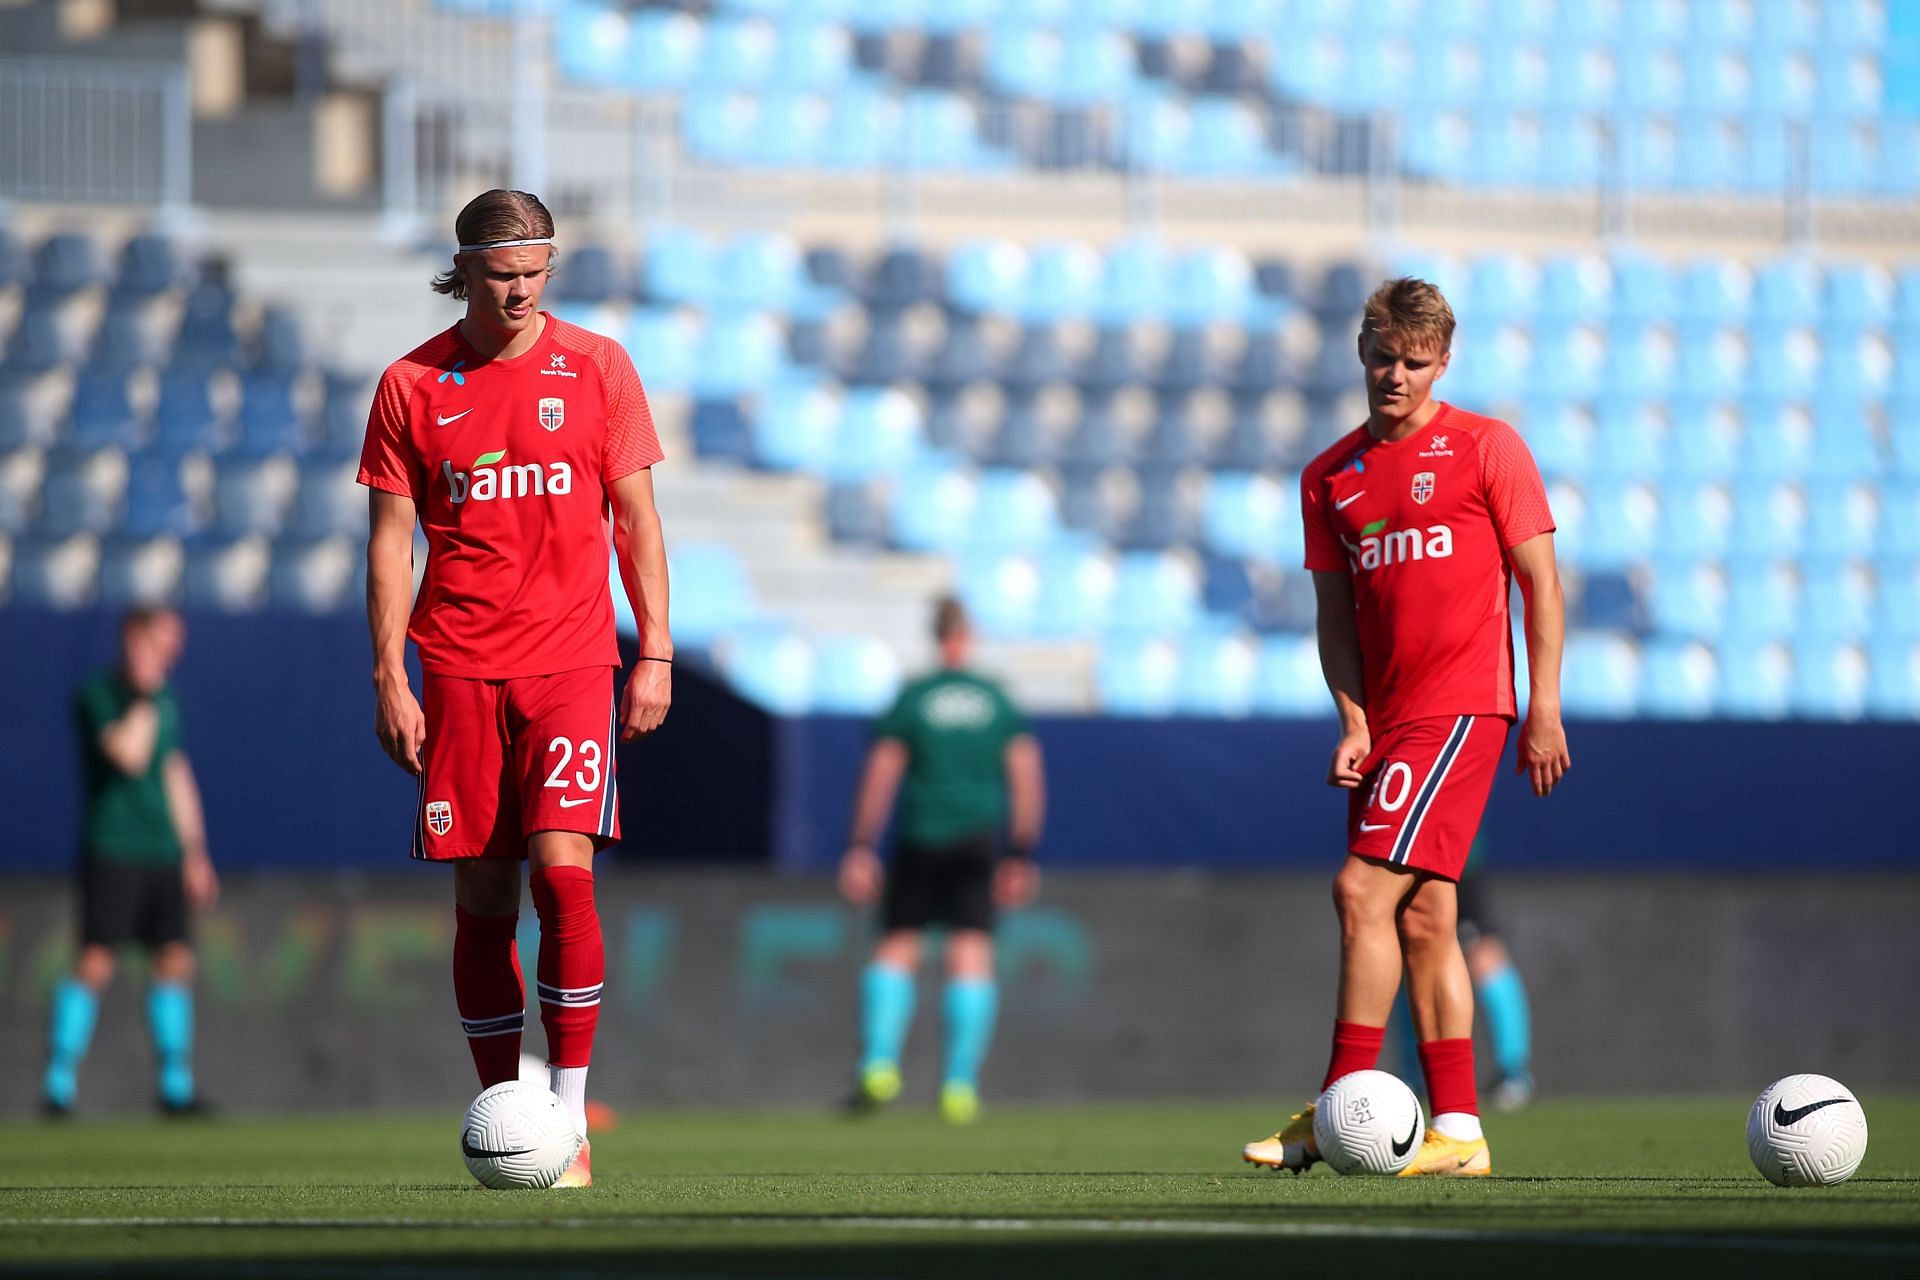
[[860, 875], [202, 885], [1016, 883], [400, 724], [1543, 751], [1344, 770], [643, 706]]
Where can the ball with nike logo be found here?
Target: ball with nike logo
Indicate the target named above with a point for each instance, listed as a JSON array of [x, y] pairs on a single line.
[[518, 1136], [1368, 1122], [1806, 1131]]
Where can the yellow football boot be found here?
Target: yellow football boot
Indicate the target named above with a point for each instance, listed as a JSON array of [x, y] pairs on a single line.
[[580, 1172], [1291, 1148], [959, 1103], [1443, 1157]]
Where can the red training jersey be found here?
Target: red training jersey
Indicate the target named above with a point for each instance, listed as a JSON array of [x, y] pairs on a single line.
[[1423, 526], [509, 464]]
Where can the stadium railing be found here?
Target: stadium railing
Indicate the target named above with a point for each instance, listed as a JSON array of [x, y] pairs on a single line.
[[97, 131]]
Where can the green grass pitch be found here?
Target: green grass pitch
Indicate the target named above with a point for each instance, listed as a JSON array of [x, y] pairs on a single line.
[[1640, 1187]]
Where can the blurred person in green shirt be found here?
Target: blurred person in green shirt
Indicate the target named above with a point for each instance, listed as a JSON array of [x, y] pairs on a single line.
[[144, 863], [972, 794]]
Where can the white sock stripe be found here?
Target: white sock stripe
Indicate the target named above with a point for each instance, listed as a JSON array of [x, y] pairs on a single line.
[[570, 991], [572, 1002], [483, 1024], [503, 1031]]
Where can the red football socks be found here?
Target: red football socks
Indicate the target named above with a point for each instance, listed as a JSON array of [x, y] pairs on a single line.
[[1449, 1068], [1356, 1047], [489, 991], [573, 962]]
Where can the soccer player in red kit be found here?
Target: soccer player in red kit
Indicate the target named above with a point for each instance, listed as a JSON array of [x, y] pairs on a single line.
[[521, 445], [1416, 525]]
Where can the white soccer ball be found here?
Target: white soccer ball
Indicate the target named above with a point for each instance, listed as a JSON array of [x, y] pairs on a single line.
[[518, 1137], [1806, 1131], [1368, 1122]]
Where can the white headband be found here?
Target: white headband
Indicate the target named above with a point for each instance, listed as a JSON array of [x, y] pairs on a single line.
[[503, 244]]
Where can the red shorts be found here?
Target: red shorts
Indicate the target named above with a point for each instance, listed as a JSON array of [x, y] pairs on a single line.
[[1423, 790], [507, 758]]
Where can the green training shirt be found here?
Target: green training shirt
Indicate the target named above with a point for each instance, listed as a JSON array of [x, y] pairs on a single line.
[[955, 726], [127, 816]]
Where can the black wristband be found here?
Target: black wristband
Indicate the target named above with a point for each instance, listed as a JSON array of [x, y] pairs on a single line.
[[645, 658]]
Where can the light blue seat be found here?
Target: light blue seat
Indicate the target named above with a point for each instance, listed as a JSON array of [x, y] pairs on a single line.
[[1572, 154], [1900, 518], [1134, 282], [1786, 26], [811, 54], [1155, 592], [1769, 519], [1439, 144], [1847, 24], [314, 576], [1227, 140], [663, 345], [1063, 281], [1843, 157], [950, 17], [1696, 519], [1779, 442], [678, 267], [1715, 24], [1288, 681], [1581, 77], [760, 272], [1770, 158], [1857, 294], [1652, 78], [988, 276], [1893, 680], [933, 504], [1716, 291], [1248, 515], [796, 432], [1506, 149], [1138, 675], [772, 668], [1756, 681], [1024, 61], [592, 43], [1687, 599], [1077, 587], [1837, 600], [854, 675], [1218, 669], [1842, 518], [1849, 83], [790, 130], [1703, 443], [1787, 290], [880, 432], [1782, 85], [1576, 288], [721, 125], [1854, 370], [941, 131], [1903, 437], [226, 575], [1374, 65], [1560, 435], [712, 594], [1677, 680], [1643, 288], [1762, 599], [1621, 524], [1601, 676], [1630, 438], [1711, 358], [864, 131], [1208, 285], [1716, 80], [737, 52], [1501, 287], [1844, 443], [737, 353], [1641, 360], [1014, 510], [1096, 65], [1896, 605], [1710, 155], [1002, 590]]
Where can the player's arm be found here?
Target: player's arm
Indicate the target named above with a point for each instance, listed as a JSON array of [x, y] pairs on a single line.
[[641, 549], [398, 721], [190, 825], [1543, 739], [1338, 632], [1017, 879], [873, 801], [128, 742]]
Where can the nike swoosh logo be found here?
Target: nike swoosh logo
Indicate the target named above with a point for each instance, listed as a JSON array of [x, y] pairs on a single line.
[[1786, 1119], [1401, 1147], [1344, 503], [571, 804], [1376, 826], [443, 421], [472, 1152]]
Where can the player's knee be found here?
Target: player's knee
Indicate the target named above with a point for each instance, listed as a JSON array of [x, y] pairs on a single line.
[[970, 954], [1359, 900], [899, 949], [487, 887], [1425, 924], [173, 963], [95, 967]]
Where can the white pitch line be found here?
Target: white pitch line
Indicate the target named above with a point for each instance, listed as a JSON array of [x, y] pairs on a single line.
[[1075, 1226]]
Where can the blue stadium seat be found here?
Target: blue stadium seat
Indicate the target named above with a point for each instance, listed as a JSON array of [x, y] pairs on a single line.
[[1289, 680], [1696, 519], [1170, 510], [252, 496], [663, 344], [1577, 288], [1849, 83], [987, 276], [1601, 677], [1643, 288], [1560, 434], [933, 505], [1716, 291], [329, 502], [1134, 283], [281, 345], [1099, 500], [227, 575], [314, 575], [1218, 670], [151, 263], [1252, 517], [1837, 599], [43, 339], [1138, 675], [1678, 679], [1756, 681], [658, 50], [1650, 158], [1501, 287], [1704, 442], [1630, 438], [721, 125], [137, 571], [20, 476], [1770, 519], [811, 54], [1609, 601], [1716, 80], [1845, 445], [1063, 281], [678, 267], [1024, 61], [206, 340], [1227, 139], [102, 412], [1710, 358], [1207, 285], [68, 261], [1893, 681], [1439, 145], [1763, 598], [1002, 590], [880, 433], [1228, 589], [1687, 599], [15, 267], [772, 668], [1077, 586], [737, 354], [82, 492], [941, 131], [1096, 65], [1572, 153], [795, 432], [185, 417], [1843, 157], [1652, 78], [1156, 592], [591, 274], [720, 430], [1854, 369], [1013, 511], [863, 131], [1264, 365], [1857, 294], [1779, 442], [854, 675], [270, 418], [55, 573], [712, 594], [1842, 518], [1788, 291], [1641, 360], [126, 340]]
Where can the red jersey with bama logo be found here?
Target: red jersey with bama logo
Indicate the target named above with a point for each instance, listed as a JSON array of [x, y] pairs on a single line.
[[1423, 526], [509, 463]]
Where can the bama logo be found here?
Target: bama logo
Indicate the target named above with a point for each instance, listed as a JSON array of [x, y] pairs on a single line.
[[489, 480], [1376, 549]]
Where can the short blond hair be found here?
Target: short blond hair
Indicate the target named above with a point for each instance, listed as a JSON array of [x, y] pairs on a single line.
[[1414, 309]]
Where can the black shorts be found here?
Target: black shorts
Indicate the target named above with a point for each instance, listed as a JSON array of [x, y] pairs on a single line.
[[120, 903], [1475, 922], [949, 884]]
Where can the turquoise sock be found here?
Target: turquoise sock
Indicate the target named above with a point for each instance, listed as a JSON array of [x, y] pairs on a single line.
[[886, 1011], [69, 1032], [1509, 1023], [170, 1022], [971, 1006]]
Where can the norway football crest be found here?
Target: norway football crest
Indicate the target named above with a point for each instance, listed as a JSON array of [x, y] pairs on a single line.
[[553, 412], [439, 817], [1423, 487]]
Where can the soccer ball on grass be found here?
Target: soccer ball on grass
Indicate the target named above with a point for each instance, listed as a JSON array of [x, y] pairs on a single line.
[[518, 1137], [1368, 1122], [1806, 1130]]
